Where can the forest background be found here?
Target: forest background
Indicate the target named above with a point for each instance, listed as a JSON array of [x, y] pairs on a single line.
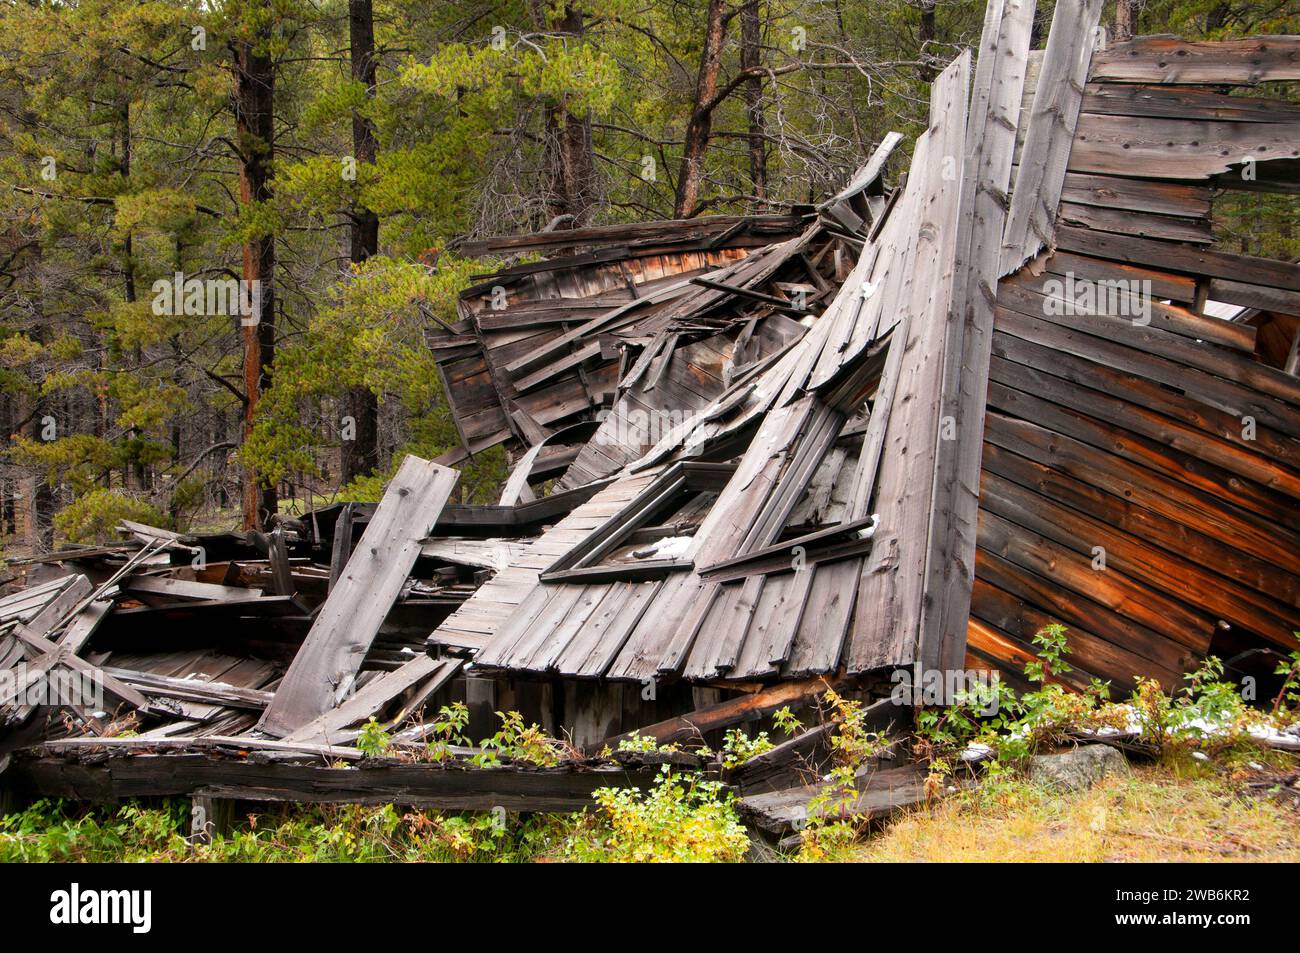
[[334, 154]]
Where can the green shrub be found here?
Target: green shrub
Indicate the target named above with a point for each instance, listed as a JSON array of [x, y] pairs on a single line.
[[681, 818], [54, 831], [93, 516]]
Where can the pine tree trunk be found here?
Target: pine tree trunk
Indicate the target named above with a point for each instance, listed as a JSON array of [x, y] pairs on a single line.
[[254, 126], [570, 156], [700, 126], [750, 39], [1125, 19], [926, 35], [360, 455], [134, 474]]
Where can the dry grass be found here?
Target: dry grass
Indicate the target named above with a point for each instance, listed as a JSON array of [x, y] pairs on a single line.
[[1184, 810]]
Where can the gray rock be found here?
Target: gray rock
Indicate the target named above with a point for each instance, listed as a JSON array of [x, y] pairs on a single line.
[[1077, 769]]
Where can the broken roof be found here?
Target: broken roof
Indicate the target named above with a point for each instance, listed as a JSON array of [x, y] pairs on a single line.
[[924, 471]]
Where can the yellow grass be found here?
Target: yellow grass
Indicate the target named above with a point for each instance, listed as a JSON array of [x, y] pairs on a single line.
[[1185, 811]]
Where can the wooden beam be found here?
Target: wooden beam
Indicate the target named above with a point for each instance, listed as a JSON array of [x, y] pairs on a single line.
[[372, 699], [968, 340], [210, 817], [325, 667], [749, 707], [185, 589], [193, 689], [342, 543], [1050, 135], [422, 786], [1168, 59], [281, 575], [1265, 272]]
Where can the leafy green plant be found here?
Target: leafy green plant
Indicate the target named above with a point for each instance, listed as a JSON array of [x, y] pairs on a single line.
[[56, 831], [1015, 727], [682, 818], [449, 730], [516, 741], [1286, 706], [785, 721], [645, 743], [1207, 711], [374, 739], [738, 747], [832, 821], [1052, 649]]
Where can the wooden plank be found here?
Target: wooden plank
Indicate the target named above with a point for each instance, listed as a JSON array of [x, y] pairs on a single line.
[[423, 786], [1050, 134], [1166, 495], [887, 626], [669, 229], [374, 696], [1063, 389], [725, 629], [1139, 362], [1148, 453], [790, 762], [745, 708], [1163, 284], [1117, 512], [1168, 59], [1254, 296], [1157, 571], [775, 625], [723, 532], [193, 689], [277, 552], [25, 603], [882, 793], [1113, 589], [590, 654], [1265, 272], [870, 171], [184, 589], [1122, 221], [540, 613], [666, 631], [1124, 302], [1188, 409], [330, 657], [1176, 148], [949, 566], [1184, 102], [52, 654], [827, 615], [75, 638], [1109, 321], [1040, 596], [1181, 199], [543, 655], [341, 548]]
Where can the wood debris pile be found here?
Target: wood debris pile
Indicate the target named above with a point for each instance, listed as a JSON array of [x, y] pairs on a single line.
[[757, 456]]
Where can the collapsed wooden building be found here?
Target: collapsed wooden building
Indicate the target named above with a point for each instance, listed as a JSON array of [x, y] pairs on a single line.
[[1007, 383]]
